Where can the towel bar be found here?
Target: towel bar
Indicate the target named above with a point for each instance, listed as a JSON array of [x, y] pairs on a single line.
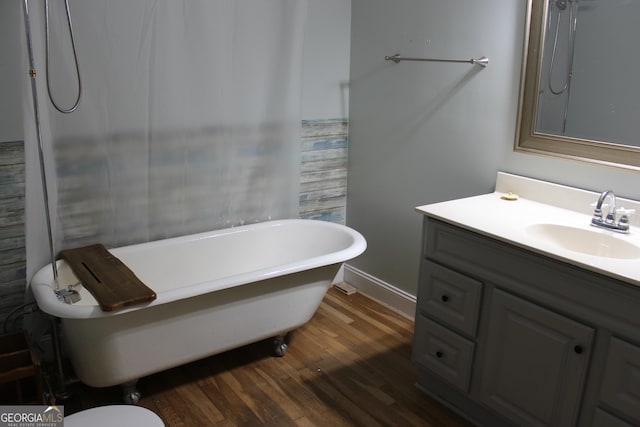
[[482, 61]]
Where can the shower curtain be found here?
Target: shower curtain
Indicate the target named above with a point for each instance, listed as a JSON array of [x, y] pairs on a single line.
[[189, 118]]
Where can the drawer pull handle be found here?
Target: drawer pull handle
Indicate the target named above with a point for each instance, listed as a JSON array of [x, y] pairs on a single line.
[[578, 349], [439, 354], [444, 298]]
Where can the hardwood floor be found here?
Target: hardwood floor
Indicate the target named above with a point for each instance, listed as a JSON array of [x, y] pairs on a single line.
[[349, 366]]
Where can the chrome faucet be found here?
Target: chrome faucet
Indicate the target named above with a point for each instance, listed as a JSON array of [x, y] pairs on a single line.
[[609, 221], [611, 216]]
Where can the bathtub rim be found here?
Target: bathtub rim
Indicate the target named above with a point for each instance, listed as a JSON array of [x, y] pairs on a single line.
[[41, 284]]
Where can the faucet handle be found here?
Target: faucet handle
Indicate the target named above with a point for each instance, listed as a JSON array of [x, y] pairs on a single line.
[[625, 211], [625, 214]]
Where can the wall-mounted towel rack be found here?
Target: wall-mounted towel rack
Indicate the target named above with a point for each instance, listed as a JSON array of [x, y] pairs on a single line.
[[482, 61]]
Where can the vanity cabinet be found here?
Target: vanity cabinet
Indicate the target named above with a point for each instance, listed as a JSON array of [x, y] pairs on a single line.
[[509, 337]]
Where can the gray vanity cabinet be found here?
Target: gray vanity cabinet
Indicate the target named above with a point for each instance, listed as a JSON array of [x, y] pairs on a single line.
[[508, 337]]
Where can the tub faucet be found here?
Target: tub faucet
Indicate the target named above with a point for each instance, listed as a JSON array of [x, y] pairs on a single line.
[[609, 221], [68, 295]]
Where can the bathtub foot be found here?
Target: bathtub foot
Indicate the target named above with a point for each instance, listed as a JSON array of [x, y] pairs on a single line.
[[130, 393], [279, 345]]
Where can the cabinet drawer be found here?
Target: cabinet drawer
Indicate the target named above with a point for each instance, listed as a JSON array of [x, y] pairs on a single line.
[[604, 419], [621, 383], [443, 352], [450, 297]]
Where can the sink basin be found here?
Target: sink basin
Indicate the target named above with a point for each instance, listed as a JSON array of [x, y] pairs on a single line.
[[586, 241]]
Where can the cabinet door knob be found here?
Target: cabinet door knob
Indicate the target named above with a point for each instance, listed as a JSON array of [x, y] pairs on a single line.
[[439, 354], [578, 349], [444, 298]]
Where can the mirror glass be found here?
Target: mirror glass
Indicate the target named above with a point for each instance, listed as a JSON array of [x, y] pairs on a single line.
[[580, 97]]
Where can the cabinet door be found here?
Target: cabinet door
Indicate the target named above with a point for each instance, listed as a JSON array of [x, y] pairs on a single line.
[[621, 383], [535, 363]]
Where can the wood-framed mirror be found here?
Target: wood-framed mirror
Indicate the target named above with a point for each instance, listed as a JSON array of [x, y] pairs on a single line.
[[579, 94]]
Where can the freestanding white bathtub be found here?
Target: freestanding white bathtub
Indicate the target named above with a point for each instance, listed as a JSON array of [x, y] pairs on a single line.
[[215, 291]]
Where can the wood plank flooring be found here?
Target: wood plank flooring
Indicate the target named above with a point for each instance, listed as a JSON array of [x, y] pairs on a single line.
[[349, 366]]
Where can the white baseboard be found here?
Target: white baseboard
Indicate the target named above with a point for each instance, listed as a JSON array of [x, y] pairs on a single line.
[[381, 291]]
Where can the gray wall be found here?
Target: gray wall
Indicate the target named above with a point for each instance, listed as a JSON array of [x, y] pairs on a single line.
[[427, 132]]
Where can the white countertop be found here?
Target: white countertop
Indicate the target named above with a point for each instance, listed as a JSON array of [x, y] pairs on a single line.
[[540, 202]]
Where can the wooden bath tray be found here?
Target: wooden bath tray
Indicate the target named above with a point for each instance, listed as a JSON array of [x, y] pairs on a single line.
[[108, 279]]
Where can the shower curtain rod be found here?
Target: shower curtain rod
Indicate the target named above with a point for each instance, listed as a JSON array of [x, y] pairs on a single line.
[[482, 61]]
